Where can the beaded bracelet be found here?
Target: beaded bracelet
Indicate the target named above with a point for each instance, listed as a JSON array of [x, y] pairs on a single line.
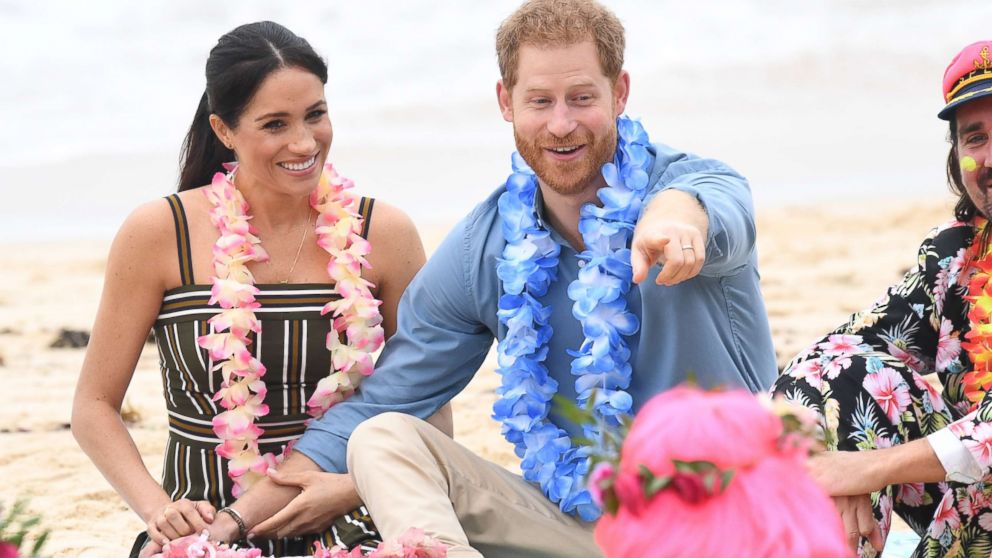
[[242, 528]]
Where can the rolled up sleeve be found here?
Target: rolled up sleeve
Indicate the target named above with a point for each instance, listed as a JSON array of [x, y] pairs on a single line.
[[725, 196], [959, 464]]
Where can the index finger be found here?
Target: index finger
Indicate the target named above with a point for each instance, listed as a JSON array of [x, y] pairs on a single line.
[[639, 265], [644, 254]]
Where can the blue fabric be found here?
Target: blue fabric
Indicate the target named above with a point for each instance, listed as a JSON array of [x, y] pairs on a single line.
[[901, 544], [712, 328]]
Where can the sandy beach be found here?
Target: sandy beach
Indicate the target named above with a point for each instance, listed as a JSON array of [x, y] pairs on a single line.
[[818, 265]]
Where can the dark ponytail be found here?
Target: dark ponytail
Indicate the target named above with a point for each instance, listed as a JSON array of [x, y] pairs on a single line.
[[202, 152], [236, 67]]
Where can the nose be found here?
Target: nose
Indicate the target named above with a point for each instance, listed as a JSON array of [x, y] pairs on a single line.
[[304, 142], [562, 120]]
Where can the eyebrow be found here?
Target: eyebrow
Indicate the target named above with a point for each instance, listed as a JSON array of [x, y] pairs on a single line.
[[576, 85], [973, 127], [285, 114]]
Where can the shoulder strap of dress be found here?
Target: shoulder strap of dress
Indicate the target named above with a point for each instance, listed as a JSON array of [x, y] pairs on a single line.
[[365, 210], [182, 239]]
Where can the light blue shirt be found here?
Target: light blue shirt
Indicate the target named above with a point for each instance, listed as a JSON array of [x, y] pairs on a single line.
[[712, 328]]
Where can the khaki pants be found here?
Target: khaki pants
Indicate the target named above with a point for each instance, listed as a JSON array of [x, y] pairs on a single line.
[[409, 474]]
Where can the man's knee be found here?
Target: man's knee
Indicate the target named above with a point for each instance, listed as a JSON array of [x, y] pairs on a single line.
[[380, 435]]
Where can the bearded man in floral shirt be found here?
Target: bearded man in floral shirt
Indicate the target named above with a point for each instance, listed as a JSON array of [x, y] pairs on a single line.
[[896, 443]]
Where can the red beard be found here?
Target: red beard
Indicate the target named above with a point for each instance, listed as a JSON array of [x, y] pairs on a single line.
[[568, 177]]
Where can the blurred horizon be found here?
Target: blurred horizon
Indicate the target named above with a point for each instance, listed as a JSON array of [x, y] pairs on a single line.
[[823, 101]]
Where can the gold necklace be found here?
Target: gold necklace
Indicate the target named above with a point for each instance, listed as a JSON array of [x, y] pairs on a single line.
[[299, 250]]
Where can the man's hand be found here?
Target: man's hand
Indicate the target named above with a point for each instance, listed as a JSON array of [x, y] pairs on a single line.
[[324, 497], [671, 232], [859, 521], [849, 477], [847, 473]]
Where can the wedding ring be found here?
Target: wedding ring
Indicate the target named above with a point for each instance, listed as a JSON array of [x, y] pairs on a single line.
[[687, 247]]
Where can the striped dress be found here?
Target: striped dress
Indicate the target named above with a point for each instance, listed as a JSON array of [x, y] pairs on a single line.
[[291, 345]]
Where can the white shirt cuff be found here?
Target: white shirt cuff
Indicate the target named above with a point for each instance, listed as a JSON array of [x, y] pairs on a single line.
[[959, 464]]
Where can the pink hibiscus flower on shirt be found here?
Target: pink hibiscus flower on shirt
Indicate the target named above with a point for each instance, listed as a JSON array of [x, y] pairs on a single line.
[[946, 517], [964, 426], [975, 503], [948, 346], [911, 494], [834, 367], [841, 345], [899, 349], [885, 507], [980, 444], [936, 401], [809, 370], [890, 392], [956, 274]]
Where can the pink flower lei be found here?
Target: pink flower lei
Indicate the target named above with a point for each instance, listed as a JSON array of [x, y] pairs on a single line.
[[355, 314]]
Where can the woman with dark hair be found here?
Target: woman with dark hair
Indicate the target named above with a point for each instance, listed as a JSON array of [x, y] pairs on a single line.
[[897, 442], [258, 280]]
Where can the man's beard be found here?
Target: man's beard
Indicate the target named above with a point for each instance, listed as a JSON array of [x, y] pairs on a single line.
[[569, 177], [984, 182]]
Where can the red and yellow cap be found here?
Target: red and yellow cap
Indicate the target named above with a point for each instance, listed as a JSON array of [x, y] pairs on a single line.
[[967, 77]]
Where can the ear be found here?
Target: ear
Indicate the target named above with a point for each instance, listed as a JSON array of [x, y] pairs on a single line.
[[621, 89], [221, 130], [505, 103]]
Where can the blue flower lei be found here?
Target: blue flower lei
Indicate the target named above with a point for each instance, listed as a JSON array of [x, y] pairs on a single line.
[[601, 365]]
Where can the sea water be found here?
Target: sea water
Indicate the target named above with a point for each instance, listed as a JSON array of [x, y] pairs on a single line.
[[821, 100]]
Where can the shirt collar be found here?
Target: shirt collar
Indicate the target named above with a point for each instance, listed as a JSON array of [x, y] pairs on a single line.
[[539, 212]]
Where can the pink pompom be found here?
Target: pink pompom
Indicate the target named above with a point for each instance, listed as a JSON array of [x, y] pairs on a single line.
[[770, 507]]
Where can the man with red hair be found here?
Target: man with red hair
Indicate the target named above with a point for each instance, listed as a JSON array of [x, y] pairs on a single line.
[[552, 266]]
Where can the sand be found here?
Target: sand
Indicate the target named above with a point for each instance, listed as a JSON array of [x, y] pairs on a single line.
[[818, 265]]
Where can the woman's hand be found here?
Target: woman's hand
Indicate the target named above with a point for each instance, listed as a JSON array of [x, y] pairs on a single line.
[[178, 519], [324, 497]]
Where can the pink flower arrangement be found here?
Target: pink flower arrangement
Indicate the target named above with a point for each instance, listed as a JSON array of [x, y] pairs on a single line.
[[412, 544], [715, 474], [199, 546]]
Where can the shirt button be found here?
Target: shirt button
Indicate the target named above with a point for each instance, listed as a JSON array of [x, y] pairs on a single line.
[[582, 263]]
